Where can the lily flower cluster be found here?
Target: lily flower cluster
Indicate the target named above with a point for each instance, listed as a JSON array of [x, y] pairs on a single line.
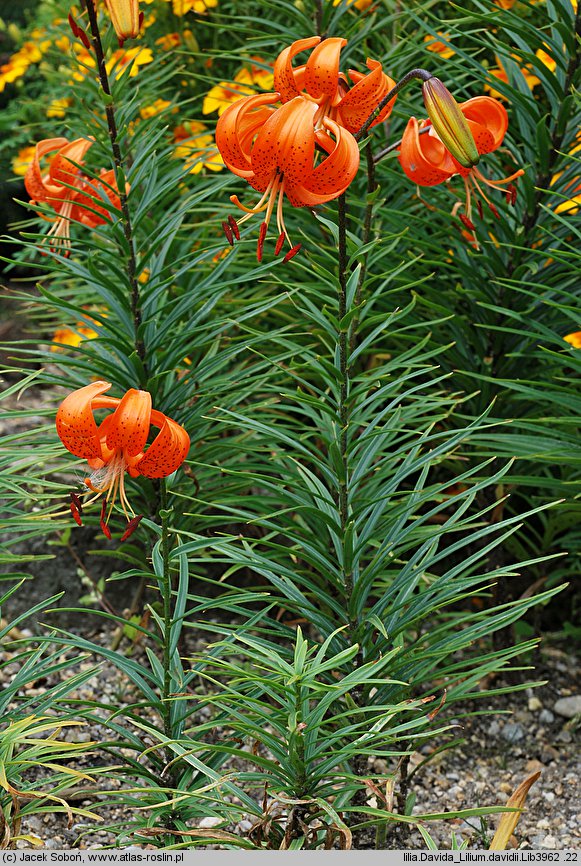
[[299, 141], [62, 186]]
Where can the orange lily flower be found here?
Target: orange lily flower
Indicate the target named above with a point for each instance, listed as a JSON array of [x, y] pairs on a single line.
[[72, 195], [274, 150], [321, 81], [117, 445], [427, 162]]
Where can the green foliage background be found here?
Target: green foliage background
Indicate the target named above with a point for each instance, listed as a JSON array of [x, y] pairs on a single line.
[[348, 534]]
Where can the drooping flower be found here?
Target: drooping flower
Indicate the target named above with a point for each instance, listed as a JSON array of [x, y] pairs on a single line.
[[321, 81], [274, 150], [427, 162], [72, 195], [574, 339], [118, 445], [125, 17], [246, 82]]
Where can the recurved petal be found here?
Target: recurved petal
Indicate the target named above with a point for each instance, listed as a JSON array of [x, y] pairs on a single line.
[[36, 186], [489, 113], [88, 208], [62, 169], [424, 158], [365, 96], [287, 142], [322, 70], [285, 77], [237, 127], [168, 450], [334, 174], [75, 423], [128, 427]]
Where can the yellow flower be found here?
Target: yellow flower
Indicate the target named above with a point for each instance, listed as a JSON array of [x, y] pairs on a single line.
[[501, 74], [84, 59], [68, 337], [362, 5], [58, 107], [169, 41], [30, 52], [120, 60], [437, 46], [196, 146], [22, 160], [155, 108], [181, 7], [547, 59], [574, 339], [246, 82], [573, 189]]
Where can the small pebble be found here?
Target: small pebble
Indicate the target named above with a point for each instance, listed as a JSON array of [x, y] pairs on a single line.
[[512, 732], [568, 707], [546, 717]]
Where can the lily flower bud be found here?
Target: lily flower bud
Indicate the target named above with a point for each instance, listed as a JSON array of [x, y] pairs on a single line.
[[125, 17], [449, 123]]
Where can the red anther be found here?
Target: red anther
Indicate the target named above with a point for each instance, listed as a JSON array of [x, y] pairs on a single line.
[[291, 253], [76, 501], [131, 527], [75, 511], [73, 25], [479, 206], [228, 232], [140, 20], [279, 243], [104, 528], [494, 210], [120, 42], [511, 194], [84, 39], [467, 222], [260, 244], [234, 227]]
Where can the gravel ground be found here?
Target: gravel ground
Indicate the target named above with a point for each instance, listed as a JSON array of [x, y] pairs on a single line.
[[500, 750]]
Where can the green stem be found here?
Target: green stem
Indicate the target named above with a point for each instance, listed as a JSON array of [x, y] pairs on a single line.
[[371, 184], [119, 175], [419, 74], [343, 411], [167, 615]]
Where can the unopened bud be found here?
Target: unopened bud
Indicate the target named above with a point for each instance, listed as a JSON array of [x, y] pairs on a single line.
[[449, 122], [125, 17]]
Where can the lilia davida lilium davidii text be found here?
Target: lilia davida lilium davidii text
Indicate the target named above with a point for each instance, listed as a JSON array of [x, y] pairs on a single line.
[[118, 445]]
